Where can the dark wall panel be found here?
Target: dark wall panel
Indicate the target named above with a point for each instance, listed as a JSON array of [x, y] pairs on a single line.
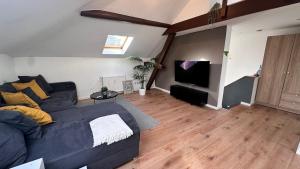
[[238, 91], [204, 45]]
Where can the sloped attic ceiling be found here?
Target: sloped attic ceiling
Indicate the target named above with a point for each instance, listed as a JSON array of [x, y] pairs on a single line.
[[55, 28]]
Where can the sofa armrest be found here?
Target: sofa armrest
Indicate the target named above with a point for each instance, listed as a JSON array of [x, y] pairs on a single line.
[[63, 86]]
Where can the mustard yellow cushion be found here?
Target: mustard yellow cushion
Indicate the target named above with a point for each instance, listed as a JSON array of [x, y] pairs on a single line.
[[34, 87], [38, 115], [19, 98]]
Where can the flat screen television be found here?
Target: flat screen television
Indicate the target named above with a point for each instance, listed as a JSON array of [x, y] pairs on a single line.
[[193, 72]]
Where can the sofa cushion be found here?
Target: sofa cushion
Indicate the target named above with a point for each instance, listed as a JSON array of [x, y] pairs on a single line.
[[7, 87], [59, 101], [19, 98], [39, 79], [65, 95], [72, 126], [12, 146], [28, 91], [29, 127], [36, 88], [57, 105], [2, 102], [59, 154], [38, 115]]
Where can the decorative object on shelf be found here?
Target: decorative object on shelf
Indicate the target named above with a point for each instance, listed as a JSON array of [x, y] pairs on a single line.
[[104, 90], [226, 53], [214, 13], [128, 86], [257, 74], [141, 70]]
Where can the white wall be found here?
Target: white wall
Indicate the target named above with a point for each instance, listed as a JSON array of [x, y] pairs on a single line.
[[85, 72], [224, 67], [7, 71], [246, 52]]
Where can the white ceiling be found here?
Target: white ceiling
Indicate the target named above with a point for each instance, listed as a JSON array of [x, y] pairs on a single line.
[[55, 28], [157, 10], [279, 18], [20, 20], [85, 37]]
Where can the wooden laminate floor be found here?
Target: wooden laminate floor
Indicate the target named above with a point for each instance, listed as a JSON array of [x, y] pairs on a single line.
[[190, 137]]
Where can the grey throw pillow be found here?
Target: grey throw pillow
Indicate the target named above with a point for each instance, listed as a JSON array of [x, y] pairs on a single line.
[[7, 87], [28, 91], [2, 103], [29, 127]]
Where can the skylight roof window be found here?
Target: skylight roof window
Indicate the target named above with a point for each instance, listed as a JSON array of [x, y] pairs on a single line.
[[116, 44]]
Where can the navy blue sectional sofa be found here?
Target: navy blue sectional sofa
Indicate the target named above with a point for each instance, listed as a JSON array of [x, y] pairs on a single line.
[[68, 143], [63, 96]]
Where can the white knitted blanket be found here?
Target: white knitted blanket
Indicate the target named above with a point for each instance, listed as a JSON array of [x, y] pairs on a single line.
[[109, 129]]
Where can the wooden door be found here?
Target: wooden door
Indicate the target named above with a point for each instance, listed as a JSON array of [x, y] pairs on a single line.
[[275, 65], [290, 98]]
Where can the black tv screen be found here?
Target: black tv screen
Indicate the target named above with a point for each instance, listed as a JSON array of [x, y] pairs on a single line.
[[194, 72]]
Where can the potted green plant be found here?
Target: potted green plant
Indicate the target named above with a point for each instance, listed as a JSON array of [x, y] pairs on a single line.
[[141, 70]]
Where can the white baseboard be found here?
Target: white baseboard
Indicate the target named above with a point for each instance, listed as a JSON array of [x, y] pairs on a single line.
[[212, 107], [246, 104], [84, 98], [161, 89]]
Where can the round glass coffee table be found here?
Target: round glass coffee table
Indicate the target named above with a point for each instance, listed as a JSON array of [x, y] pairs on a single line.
[[99, 96]]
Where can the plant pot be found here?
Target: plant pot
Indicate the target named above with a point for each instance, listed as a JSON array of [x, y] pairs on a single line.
[[142, 92], [104, 94]]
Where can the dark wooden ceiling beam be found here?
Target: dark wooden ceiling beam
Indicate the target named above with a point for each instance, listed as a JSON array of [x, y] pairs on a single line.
[[119, 17], [242, 8], [224, 8], [160, 58]]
